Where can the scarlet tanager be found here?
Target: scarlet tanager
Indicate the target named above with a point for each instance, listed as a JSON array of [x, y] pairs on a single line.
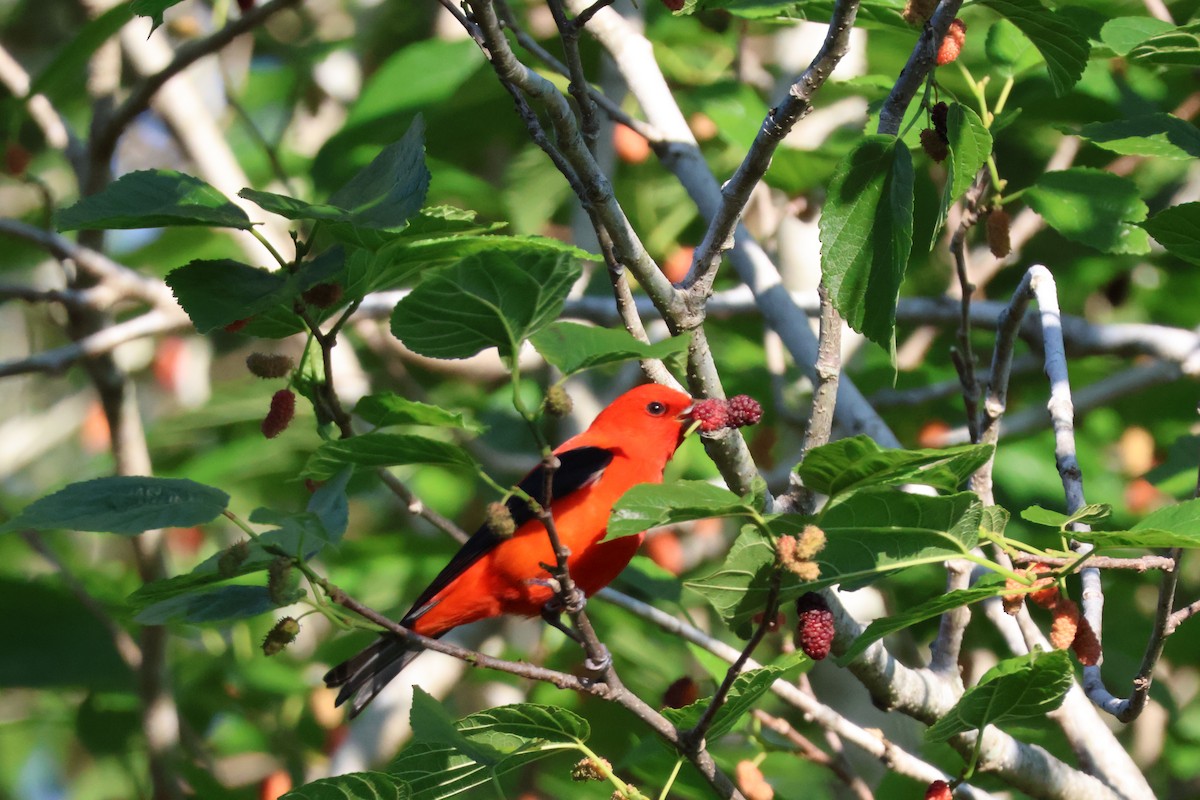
[[628, 443]]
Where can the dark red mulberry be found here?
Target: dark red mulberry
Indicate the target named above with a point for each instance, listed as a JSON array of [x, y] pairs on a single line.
[[814, 628], [743, 410], [283, 408], [712, 414]]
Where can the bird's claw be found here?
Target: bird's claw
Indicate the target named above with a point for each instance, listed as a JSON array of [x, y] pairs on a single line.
[[599, 666]]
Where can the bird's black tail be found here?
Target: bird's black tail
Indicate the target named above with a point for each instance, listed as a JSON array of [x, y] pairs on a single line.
[[364, 675]]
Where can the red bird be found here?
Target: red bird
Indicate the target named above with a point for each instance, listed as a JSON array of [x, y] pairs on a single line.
[[628, 443]]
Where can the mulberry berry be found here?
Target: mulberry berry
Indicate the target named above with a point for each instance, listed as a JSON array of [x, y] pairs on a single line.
[[279, 637], [283, 408], [269, 365], [712, 414], [743, 410], [933, 145], [938, 790], [814, 628], [1086, 644], [557, 403], [323, 295], [939, 115], [952, 45], [1065, 624], [752, 783], [681, 693], [589, 769], [500, 520], [998, 223]]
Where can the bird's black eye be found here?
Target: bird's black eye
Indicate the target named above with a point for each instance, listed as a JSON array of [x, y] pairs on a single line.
[[656, 408]]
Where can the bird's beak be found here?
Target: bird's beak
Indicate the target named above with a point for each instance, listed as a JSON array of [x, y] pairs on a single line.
[[686, 414]]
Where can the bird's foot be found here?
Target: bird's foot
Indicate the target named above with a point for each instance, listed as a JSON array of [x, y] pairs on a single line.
[[552, 614]]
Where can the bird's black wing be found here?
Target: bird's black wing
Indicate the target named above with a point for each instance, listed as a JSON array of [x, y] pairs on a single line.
[[578, 467]]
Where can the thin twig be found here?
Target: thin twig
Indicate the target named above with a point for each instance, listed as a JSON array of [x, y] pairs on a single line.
[[695, 736], [1140, 564], [920, 62]]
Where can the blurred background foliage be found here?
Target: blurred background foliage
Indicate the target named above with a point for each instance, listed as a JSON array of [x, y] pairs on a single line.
[[310, 100]]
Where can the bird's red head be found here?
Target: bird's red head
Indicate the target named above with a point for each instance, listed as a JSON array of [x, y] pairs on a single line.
[[650, 415]]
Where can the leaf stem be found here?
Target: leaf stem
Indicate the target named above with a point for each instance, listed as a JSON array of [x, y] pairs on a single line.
[[283, 262]]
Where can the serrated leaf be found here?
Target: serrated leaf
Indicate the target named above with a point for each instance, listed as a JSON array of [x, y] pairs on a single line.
[[153, 9], [934, 607], [1178, 230], [1179, 47], [1061, 43], [376, 204], [1182, 518], [432, 724], [386, 409], [1088, 515], [1025, 687], [649, 505], [377, 449], [216, 293], [520, 735], [970, 145], [490, 299], [1141, 538], [747, 688], [1005, 46], [1162, 135], [215, 605], [572, 347], [1122, 34], [866, 235], [871, 533], [301, 535], [1093, 207], [153, 199], [855, 462], [994, 520], [354, 786], [122, 504]]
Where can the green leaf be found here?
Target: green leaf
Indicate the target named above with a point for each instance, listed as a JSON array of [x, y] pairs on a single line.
[[1060, 42], [1021, 688], [1181, 518], [153, 199], [491, 299], [871, 533], [378, 449], [518, 735], [216, 293], [61, 77], [1122, 34], [354, 786], [934, 607], [375, 204], [1093, 207], [1005, 47], [970, 145], [153, 9], [572, 347], [866, 235], [994, 520], [747, 688], [650, 505], [216, 605], [1179, 47], [1178, 230], [432, 724], [849, 464], [52, 640], [122, 504], [331, 507], [1088, 515], [387, 409], [410, 253], [1141, 538], [1162, 135], [302, 535]]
